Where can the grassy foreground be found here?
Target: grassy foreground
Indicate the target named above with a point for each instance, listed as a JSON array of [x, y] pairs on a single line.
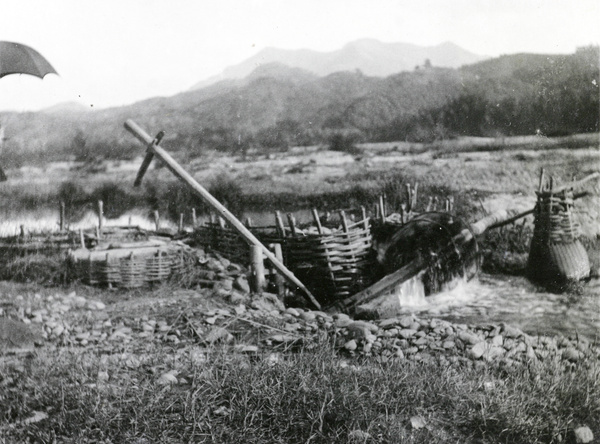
[[239, 377], [206, 395]]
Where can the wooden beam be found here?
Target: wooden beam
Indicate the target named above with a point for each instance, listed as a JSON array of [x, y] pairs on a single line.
[[384, 285], [183, 175]]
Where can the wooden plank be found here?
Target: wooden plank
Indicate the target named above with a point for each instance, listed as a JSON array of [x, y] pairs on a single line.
[[384, 285]]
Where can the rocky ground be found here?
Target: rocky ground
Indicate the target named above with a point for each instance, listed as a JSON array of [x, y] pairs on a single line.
[[228, 313]]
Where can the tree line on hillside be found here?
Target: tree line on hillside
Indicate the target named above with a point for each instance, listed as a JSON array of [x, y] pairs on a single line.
[[510, 95]]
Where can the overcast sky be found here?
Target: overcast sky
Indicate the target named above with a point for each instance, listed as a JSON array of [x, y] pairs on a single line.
[[116, 52]]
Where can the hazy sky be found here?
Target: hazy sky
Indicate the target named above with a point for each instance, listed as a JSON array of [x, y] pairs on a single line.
[[115, 52]]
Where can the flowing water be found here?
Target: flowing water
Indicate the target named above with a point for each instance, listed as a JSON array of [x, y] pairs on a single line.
[[515, 300]]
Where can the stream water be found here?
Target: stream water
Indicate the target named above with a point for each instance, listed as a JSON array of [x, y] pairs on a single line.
[[515, 300]]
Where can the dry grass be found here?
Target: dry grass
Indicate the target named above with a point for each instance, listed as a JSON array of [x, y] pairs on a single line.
[[312, 395]]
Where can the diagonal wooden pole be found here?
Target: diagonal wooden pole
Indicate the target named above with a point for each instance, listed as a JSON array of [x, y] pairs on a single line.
[[182, 174]]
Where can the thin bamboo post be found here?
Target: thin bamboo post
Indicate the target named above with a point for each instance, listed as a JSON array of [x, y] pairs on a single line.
[[315, 215], [221, 222], [100, 215], [279, 281], [257, 269], [320, 231], [364, 216], [194, 219], [156, 220], [279, 224], [177, 170], [345, 228], [403, 213], [344, 221], [62, 216], [90, 269], [181, 222], [415, 191], [541, 183], [81, 238], [381, 209], [408, 198], [292, 223], [98, 233], [429, 204]]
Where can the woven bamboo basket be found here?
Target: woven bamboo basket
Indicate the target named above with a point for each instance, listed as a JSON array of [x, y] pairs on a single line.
[[131, 267], [556, 253]]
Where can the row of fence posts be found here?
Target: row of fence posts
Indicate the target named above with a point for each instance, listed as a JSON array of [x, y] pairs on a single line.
[[408, 207]]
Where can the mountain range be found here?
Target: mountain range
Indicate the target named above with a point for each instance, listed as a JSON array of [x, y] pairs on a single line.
[[370, 56], [277, 106]]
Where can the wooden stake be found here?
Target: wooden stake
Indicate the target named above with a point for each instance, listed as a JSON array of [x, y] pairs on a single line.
[[100, 215], [344, 221], [381, 209], [279, 224], [194, 220], [429, 204], [541, 183], [156, 220], [315, 215], [413, 204], [408, 198], [181, 222], [292, 223], [279, 281], [81, 238], [364, 216], [62, 216], [257, 269]]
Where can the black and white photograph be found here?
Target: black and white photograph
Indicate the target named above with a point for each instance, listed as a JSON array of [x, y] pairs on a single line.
[[316, 222]]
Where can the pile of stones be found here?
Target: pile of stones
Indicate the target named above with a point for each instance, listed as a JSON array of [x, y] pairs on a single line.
[[70, 319]]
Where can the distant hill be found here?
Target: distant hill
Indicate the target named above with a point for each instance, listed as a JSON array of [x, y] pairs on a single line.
[[371, 57], [277, 106], [65, 107]]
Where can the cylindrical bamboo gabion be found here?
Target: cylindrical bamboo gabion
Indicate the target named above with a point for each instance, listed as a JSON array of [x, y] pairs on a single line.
[[556, 253]]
